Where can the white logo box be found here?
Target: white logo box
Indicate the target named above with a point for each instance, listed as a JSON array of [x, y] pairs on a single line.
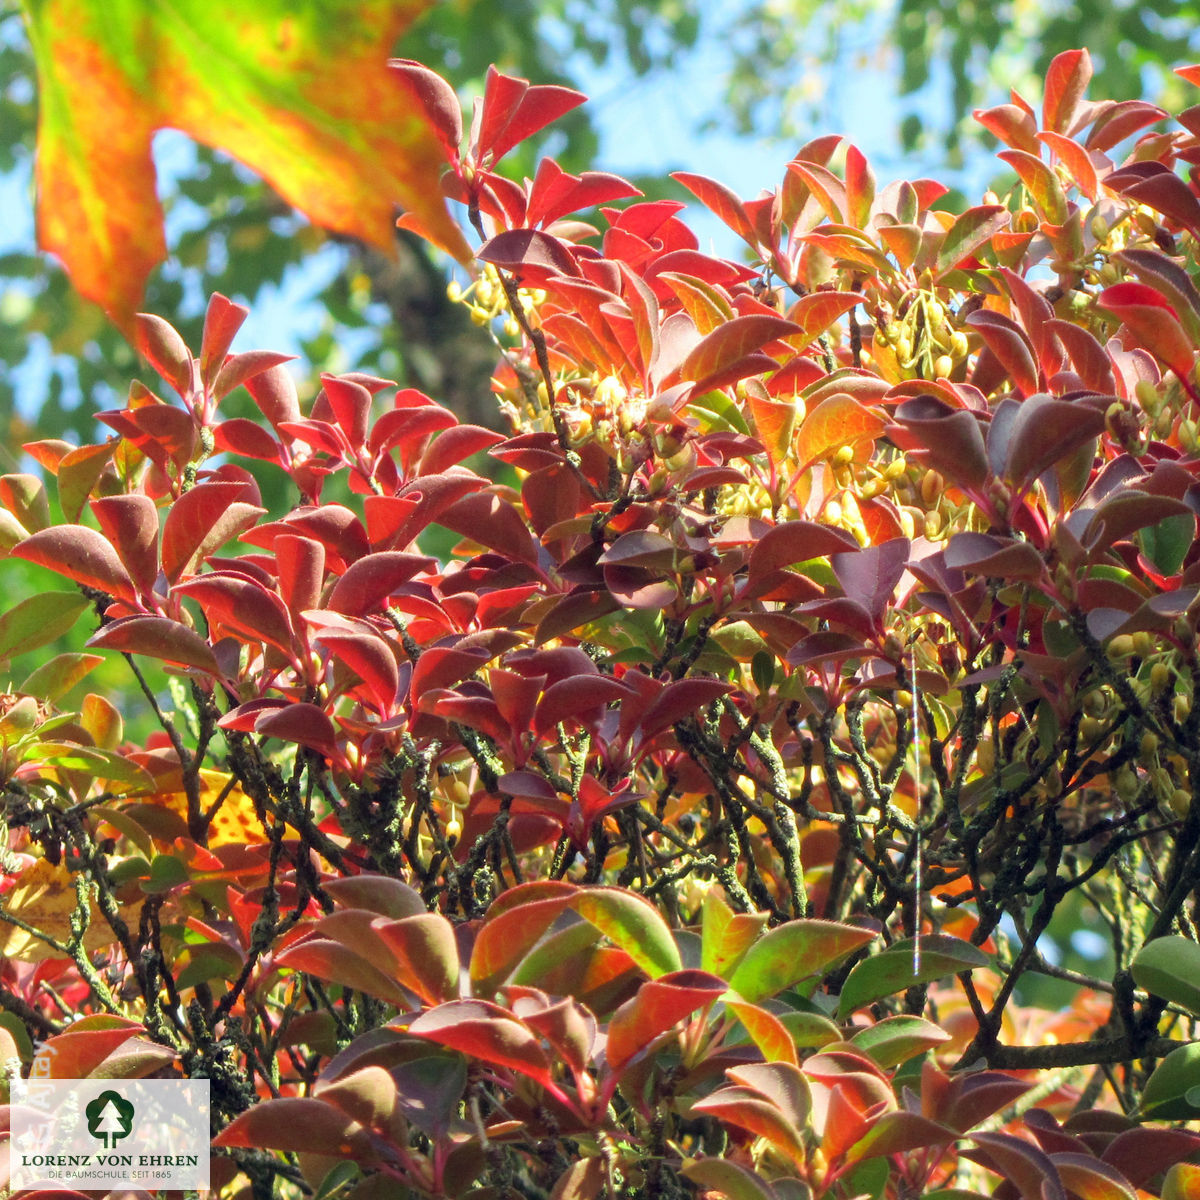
[[101, 1134]]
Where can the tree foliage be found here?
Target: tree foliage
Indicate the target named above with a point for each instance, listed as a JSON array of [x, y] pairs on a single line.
[[684, 804]]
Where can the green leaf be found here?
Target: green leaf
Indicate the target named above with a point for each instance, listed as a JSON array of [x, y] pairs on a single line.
[[1170, 967], [38, 620], [1172, 1093], [727, 1179], [105, 765], [214, 960], [127, 826], [893, 971], [52, 680], [896, 1039], [1167, 543], [19, 1034], [726, 935], [792, 952], [634, 925], [283, 87], [166, 872], [969, 232]]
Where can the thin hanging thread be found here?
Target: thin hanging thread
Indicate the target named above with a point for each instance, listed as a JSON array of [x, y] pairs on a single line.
[[916, 736]]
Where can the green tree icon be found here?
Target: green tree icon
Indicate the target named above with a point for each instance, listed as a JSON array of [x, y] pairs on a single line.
[[109, 1117]]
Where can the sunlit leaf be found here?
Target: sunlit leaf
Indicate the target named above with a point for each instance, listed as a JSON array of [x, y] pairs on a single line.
[[900, 967], [282, 87], [634, 925]]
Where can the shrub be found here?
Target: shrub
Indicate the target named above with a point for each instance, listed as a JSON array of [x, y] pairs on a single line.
[[818, 645]]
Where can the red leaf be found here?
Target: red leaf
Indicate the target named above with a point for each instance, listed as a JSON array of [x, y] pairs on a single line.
[[970, 231], [332, 961], [555, 192], [1172, 282], [476, 712], [774, 422], [487, 1033], [515, 922], [870, 575], [796, 542], [372, 579], [1148, 316], [274, 392], [437, 100], [454, 445], [491, 521], [380, 894], [1066, 82], [164, 434], [351, 404], [200, 522], [658, 1006], [1041, 182], [76, 1053], [948, 439], [160, 345], [1007, 341], [679, 700], [828, 189], [333, 525], [371, 660], [729, 343], [242, 606], [304, 724], [301, 1124], [513, 110], [443, 667], [1011, 124], [222, 319], [718, 199], [242, 367], [80, 554], [815, 312], [1119, 120], [1158, 187], [426, 954], [517, 250], [860, 187], [435, 494], [1077, 161], [300, 567], [238, 435], [157, 637], [1029, 1169], [569, 699], [1045, 431], [766, 1030], [750, 1110], [1087, 356], [130, 523], [837, 421]]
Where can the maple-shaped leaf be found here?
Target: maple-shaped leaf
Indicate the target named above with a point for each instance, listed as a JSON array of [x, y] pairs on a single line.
[[299, 92]]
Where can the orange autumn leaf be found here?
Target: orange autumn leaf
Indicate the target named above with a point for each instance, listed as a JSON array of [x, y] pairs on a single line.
[[299, 92], [235, 822], [44, 898]]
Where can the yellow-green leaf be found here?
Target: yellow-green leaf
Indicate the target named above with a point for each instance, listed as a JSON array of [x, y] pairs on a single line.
[[298, 91]]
